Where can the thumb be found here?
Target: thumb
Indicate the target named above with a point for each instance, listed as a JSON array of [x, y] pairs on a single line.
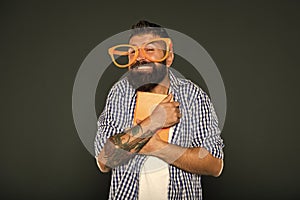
[[167, 98]]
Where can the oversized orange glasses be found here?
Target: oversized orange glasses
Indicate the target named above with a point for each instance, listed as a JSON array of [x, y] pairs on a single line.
[[156, 50]]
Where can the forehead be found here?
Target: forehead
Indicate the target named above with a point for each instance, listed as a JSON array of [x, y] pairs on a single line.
[[138, 40]]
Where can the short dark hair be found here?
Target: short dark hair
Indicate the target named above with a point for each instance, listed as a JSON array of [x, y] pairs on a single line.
[[146, 27]]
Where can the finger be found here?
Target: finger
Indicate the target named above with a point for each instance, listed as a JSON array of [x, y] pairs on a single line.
[[167, 99], [179, 115], [176, 103]]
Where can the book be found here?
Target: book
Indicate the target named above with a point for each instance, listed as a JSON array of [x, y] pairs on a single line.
[[145, 104]]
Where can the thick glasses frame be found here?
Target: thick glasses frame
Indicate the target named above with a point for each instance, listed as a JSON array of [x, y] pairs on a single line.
[[112, 51]]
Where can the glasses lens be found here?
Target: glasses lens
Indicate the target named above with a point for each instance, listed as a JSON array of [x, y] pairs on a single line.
[[156, 50], [122, 54]]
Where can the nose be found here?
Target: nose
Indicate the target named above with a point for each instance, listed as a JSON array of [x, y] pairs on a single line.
[[140, 56]]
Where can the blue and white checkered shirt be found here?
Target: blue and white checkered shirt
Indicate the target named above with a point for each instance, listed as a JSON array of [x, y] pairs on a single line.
[[198, 127]]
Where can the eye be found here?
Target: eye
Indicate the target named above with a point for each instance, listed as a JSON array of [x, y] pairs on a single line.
[[131, 51], [149, 49]]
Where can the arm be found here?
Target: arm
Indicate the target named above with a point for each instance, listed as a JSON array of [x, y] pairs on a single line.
[[196, 160], [113, 145], [119, 148]]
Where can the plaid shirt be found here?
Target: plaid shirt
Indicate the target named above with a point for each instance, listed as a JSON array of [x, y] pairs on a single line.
[[198, 127]]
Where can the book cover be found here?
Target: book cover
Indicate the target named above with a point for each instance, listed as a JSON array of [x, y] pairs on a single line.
[[145, 104]]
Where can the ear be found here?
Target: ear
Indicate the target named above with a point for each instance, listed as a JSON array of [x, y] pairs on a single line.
[[170, 57]]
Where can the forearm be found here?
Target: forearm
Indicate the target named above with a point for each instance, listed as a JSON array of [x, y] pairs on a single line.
[[122, 147], [195, 160]]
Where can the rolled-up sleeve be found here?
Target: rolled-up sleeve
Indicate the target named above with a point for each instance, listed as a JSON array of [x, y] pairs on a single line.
[[205, 126], [110, 121]]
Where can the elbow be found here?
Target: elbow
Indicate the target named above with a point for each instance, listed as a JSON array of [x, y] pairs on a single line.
[[102, 167], [214, 166], [218, 168]]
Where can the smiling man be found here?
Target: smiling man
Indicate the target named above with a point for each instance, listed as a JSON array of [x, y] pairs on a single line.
[[194, 146]]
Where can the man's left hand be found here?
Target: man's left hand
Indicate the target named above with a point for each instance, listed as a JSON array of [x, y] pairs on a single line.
[[154, 146]]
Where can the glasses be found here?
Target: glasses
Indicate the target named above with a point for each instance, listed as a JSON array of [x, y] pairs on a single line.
[[156, 50]]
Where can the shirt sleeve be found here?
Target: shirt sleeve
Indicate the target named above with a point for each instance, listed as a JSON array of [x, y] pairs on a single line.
[[110, 121], [205, 126]]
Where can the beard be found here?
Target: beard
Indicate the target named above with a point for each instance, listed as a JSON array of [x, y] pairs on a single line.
[[146, 81]]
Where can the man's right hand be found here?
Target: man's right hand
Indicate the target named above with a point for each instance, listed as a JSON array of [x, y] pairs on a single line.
[[166, 113], [120, 147]]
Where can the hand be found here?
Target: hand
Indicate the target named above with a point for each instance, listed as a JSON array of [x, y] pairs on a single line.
[[166, 113], [153, 146]]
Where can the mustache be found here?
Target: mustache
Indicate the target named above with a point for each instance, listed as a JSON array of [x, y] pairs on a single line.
[[141, 63]]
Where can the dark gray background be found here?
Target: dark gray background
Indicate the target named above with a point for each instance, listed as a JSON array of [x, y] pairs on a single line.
[[254, 44]]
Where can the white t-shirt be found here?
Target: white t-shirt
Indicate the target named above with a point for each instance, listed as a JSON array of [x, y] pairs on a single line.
[[154, 178]]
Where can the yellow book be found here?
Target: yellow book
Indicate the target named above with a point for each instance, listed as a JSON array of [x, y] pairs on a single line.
[[145, 104]]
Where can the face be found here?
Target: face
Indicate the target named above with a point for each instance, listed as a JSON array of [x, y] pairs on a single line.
[[144, 74]]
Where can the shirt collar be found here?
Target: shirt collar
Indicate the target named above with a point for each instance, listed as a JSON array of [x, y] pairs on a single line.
[[174, 82]]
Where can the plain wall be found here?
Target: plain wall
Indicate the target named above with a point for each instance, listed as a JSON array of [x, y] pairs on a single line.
[[255, 45]]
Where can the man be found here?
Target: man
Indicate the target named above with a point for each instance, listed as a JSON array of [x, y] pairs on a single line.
[[194, 146]]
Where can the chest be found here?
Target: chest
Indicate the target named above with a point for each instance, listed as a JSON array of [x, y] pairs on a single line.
[[182, 134]]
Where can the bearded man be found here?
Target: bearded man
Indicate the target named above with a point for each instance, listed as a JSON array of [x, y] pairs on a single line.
[[194, 146]]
